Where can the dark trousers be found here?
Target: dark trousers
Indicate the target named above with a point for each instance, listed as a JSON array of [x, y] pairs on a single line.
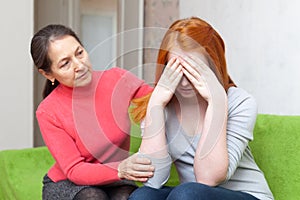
[[189, 191]]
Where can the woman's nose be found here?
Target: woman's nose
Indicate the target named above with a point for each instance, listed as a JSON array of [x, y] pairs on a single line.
[[184, 81], [77, 65]]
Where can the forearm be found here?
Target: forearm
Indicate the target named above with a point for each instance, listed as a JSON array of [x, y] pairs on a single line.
[[162, 170], [93, 173], [154, 139], [154, 147], [211, 159], [154, 144]]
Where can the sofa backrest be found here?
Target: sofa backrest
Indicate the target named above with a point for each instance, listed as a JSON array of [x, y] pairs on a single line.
[[276, 149]]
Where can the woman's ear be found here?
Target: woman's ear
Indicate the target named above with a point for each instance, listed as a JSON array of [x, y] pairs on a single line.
[[47, 75]]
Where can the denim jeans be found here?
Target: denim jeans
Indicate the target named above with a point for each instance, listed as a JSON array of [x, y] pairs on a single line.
[[189, 191]]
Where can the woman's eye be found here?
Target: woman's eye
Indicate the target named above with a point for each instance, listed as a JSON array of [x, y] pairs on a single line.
[[64, 64], [80, 52]]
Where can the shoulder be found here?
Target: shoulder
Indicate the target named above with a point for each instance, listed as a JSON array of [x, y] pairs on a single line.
[[118, 73], [115, 71], [46, 107], [242, 112], [52, 104], [47, 103], [240, 100]]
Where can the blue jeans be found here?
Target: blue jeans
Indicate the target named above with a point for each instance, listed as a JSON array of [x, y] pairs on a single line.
[[189, 191]]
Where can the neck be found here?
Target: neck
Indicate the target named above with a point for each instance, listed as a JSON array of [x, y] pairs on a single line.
[[190, 113], [191, 106]]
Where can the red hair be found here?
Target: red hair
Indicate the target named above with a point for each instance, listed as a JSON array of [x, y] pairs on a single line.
[[189, 34]]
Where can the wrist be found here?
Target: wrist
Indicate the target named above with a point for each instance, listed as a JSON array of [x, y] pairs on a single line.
[[119, 172], [158, 97]]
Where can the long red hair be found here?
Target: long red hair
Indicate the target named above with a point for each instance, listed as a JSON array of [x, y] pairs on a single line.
[[188, 34]]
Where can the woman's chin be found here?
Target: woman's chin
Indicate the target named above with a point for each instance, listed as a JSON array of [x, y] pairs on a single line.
[[186, 94], [83, 81]]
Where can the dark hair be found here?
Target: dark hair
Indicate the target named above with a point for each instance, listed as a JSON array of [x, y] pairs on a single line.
[[40, 46]]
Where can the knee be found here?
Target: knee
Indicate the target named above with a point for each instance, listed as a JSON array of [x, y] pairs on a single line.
[[189, 191], [148, 193], [91, 193], [140, 193]]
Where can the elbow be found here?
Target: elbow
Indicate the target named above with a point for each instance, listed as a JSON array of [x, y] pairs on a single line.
[[73, 178], [211, 179]]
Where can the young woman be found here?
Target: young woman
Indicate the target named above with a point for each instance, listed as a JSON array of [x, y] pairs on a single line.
[[84, 121], [197, 118]]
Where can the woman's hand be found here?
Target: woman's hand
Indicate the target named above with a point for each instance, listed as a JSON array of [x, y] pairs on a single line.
[[203, 78], [168, 82], [154, 139], [212, 144], [136, 168]]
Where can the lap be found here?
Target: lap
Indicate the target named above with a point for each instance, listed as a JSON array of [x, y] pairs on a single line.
[[148, 193], [60, 190], [67, 190], [189, 191], [106, 193], [200, 191]]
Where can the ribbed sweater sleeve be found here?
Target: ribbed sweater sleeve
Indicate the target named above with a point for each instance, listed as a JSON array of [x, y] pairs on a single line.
[[242, 112], [68, 157]]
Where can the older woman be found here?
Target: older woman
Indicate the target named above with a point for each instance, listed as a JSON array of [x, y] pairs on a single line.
[[84, 121]]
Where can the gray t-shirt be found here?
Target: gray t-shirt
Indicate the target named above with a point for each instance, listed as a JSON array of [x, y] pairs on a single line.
[[243, 173]]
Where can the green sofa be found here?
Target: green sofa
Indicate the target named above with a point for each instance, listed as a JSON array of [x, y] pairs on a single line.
[[276, 148]]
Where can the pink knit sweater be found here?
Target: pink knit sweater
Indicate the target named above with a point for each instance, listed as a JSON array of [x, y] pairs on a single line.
[[87, 129]]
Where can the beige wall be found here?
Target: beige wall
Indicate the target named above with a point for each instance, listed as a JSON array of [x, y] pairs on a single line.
[[159, 14], [16, 76], [21, 85], [50, 12], [68, 12], [94, 6], [262, 44]]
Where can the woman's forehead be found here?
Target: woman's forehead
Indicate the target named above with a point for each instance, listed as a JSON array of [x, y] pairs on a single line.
[[62, 47], [187, 54]]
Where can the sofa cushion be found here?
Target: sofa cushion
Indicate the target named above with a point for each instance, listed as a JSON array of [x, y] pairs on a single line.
[[22, 171], [276, 149]]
